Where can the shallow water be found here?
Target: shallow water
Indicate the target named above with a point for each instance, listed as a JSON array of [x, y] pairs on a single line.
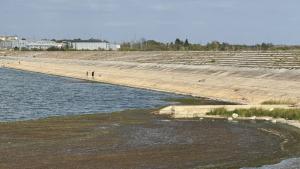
[[293, 163], [25, 96], [217, 143]]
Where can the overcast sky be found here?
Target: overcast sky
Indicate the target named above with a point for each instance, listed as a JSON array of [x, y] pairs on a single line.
[[234, 21]]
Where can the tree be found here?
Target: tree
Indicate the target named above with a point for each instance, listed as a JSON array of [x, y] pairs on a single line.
[[186, 44], [266, 46], [178, 44], [53, 48], [214, 45]]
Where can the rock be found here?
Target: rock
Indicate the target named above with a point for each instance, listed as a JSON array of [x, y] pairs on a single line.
[[201, 118], [234, 115], [230, 119], [268, 118], [274, 121], [253, 118]]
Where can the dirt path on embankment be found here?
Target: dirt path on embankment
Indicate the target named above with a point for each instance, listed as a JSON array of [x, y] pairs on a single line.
[[244, 85]]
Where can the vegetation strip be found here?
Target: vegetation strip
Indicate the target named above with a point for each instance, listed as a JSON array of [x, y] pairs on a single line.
[[279, 102], [288, 114]]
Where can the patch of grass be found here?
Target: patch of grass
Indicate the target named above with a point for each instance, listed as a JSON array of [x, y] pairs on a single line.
[[212, 61], [290, 114], [197, 101], [279, 102]]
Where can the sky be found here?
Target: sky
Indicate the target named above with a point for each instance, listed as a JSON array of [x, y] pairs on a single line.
[[201, 21]]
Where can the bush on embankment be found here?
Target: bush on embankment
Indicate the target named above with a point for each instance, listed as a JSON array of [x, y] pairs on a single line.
[[279, 102], [289, 114]]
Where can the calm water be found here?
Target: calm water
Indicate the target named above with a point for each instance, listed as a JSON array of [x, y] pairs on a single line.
[[26, 96]]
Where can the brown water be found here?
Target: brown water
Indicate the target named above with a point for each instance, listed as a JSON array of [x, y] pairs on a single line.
[[213, 143], [138, 139]]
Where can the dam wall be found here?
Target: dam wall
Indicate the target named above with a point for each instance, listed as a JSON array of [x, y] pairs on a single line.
[[162, 71], [249, 59]]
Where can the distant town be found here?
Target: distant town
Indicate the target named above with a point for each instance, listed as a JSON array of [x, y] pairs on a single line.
[[16, 43]]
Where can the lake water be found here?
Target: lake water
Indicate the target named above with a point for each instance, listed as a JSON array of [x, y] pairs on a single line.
[[25, 96]]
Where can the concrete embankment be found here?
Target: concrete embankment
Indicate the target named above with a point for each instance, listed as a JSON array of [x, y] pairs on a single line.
[[241, 85], [180, 112], [201, 111]]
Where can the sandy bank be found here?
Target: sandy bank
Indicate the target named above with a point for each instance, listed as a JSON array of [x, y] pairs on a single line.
[[243, 85]]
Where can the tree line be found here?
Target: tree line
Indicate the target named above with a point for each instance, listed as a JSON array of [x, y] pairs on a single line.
[[185, 45]]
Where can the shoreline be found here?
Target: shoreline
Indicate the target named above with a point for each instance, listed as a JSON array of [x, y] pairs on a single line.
[[120, 74], [190, 112], [16, 66], [95, 81], [237, 85]]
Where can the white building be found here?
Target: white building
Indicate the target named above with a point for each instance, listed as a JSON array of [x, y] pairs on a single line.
[[94, 46], [42, 44], [29, 44], [114, 46], [13, 42], [7, 38]]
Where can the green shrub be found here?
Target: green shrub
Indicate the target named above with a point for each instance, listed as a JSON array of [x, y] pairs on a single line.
[[290, 114], [278, 102]]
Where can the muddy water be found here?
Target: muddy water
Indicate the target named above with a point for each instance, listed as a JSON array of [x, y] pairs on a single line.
[[214, 143], [138, 140]]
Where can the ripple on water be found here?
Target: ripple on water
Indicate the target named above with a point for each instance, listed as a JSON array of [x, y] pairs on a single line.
[[26, 96], [293, 163]]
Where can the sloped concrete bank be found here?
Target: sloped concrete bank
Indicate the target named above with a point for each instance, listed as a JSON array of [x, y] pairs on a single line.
[[241, 85]]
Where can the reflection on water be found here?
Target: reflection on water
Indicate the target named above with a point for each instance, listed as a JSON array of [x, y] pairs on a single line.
[[27, 96]]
